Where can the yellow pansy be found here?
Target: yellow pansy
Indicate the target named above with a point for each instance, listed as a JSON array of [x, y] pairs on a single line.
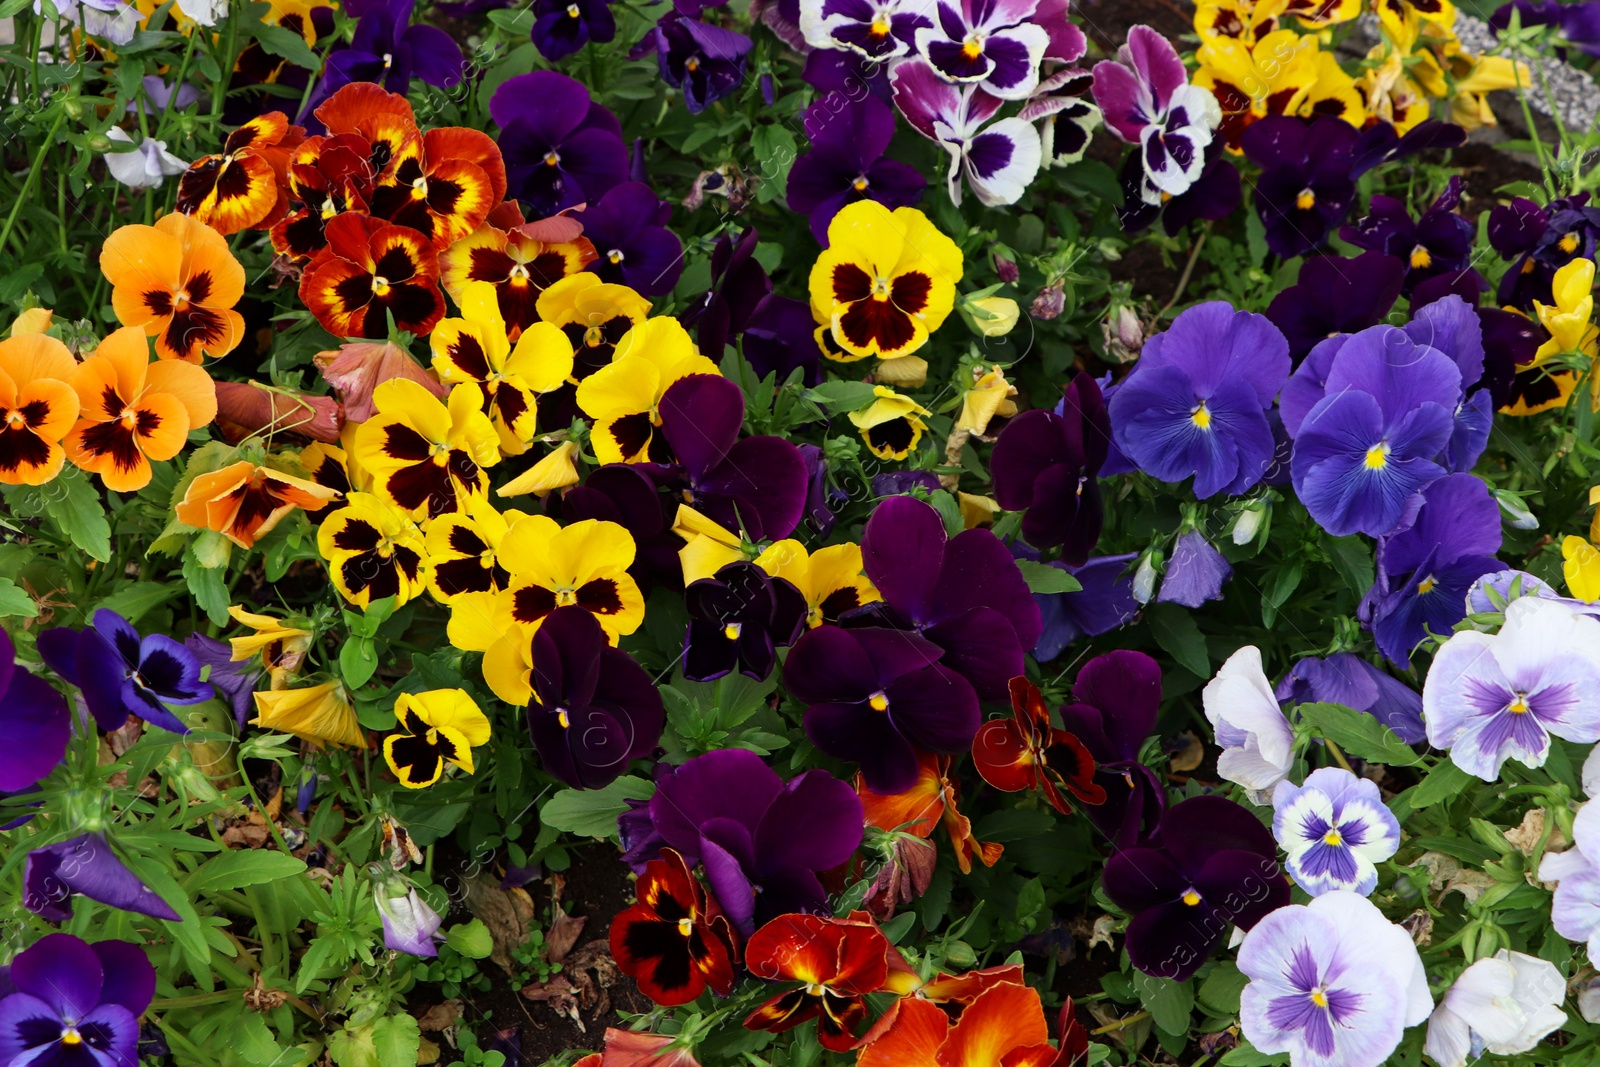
[[830, 578], [436, 727], [482, 622], [1242, 20], [623, 398], [1581, 568], [464, 553], [1390, 95], [890, 424], [1315, 14], [990, 396], [555, 471], [708, 546], [584, 564], [475, 350], [1270, 78], [886, 280], [281, 646], [374, 551], [34, 320], [320, 714], [594, 315], [1569, 318], [423, 456], [1334, 93], [977, 511], [908, 372], [1402, 20]]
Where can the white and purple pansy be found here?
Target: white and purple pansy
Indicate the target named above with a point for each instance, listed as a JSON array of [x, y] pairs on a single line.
[[1492, 698], [1066, 120], [993, 44], [879, 30], [1332, 983], [1147, 100], [1334, 830], [998, 159], [1174, 149]]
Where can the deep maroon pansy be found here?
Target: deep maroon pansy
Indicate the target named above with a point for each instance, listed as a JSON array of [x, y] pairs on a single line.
[[875, 696], [1306, 187], [1113, 711], [738, 285], [849, 135], [562, 27], [1210, 865], [781, 338], [1046, 463], [738, 619]]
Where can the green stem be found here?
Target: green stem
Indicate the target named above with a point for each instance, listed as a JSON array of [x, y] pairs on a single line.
[[27, 184]]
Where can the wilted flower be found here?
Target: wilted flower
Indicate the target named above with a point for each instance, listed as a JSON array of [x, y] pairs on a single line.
[[1196, 572], [1256, 739], [246, 409], [918, 811], [356, 369], [1506, 1004], [410, 925], [320, 714]]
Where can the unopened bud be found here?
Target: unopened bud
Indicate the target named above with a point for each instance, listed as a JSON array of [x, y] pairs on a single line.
[[1005, 269]]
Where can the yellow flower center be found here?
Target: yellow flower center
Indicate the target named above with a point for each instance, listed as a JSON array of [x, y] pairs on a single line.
[[563, 718], [180, 299], [1319, 997], [594, 337], [1306, 200], [70, 1036], [552, 158], [566, 598], [329, 208], [816, 989], [879, 27], [972, 49], [419, 189], [1333, 837], [388, 60], [1569, 243], [519, 273], [14, 418], [1519, 704], [880, 288], [129, 418], [1378, 456], [1421, 258], [380, 286], [1201, 417], [860, 184], [1190, 897], [878, 701], [1426, 585], [732, 631], [691, 64], [615, 255], [685, 926]]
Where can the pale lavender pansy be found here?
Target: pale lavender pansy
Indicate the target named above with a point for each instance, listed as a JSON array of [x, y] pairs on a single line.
[[1334, 830], [998, 159], [1332, 983], [994, 44], [147, 166], [1196, 572], [1492, 698], [1504, 1004], [1256, 739], [1147, 101], [410, 925], [1575, 908]]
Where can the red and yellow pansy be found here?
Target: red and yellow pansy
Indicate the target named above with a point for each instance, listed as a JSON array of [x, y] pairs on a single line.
[[836, 962], [674, 941], [932, 801], [1027, 752], [370, 270], [243, 185], [520, 263]]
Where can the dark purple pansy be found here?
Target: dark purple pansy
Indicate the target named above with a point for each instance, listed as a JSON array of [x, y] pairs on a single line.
[[593, 708], [73, 1004], [1306, 187], [762, 840], [845, 162], [1196, 402], [1510, 341], [1210, 865], [234, 680], [34, 722], [628, 227], [85, 864], [1045, 464], [756, 484], [560, 148], [640, 840], [830, 70], [1196, 572], [1345, 678], [821, 495], [738, 618], [1438, 242], [624, 494], [562, 27], [904, 483], [1426, 567], [781, 338], [738, 285], [703, 61], [874, 696], [963, 593], [122, 674], [1103, 602], [1214, 195], [388, 50], [1333, 296], [1113, 711]]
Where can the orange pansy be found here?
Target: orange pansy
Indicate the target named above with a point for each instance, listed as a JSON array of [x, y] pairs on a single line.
[[930, 801], [38, 406], [442, 184], [837, 963], [178, 282], [243, 501], [242, 186], [132, 410], [1002, 1027], [371, 268], [384, 119], [519, 265]]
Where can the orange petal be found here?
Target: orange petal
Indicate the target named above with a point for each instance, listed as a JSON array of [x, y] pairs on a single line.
[[142, 263], [127, 351], [468, 146], [967, 987], [60, 411], [1001, 1019], [921, 806], [35, 355], [189, 385], [163, 424], [908, 1035]]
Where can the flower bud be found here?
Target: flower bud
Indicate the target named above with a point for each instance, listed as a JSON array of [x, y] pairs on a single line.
[[998, 316], [1005, 269]]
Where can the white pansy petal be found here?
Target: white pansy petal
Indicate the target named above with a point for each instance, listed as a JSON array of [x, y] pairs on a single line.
[[1002, 161], [1449, 1041]]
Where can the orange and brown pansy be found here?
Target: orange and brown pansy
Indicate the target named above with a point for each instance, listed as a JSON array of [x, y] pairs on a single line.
[[931, 801], [178, 282], [442, 184], [328, 176], [383, 119], [519, 266], [38, 406], [242, 186], [132, 411], [370, 269], [244, 502]]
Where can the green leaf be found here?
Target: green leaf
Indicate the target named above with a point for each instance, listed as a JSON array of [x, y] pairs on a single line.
[[841, 396], [209, 587], [471, 939], [358, 661], [1358, 733], [356, 1048], [1169, 1003], [235, 870], [593, 812], [134, 601], [775, 149], [1352, 558], [1043, 578], [396, 1039], [1176, 631], [74, 506], [284, 43], [1442, 783], [1220, 991], [1246, 1055], [15, 601], [254, 1042]]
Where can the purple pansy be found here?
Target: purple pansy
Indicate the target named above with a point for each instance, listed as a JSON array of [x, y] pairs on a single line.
[[994, 44], [1214, 195], [1437, 242], [904, 483], [1426, 567], [845, 162], [1372, 441], [1210, 864], [738, 618], [1332, 983], [1196, 572], [627, 226], [821, 496], [963, 593], [387, 49], [1492, 698], [122, 674], [1066, 120], [875, 696], [1045, 464], [560, 148], [703, 61], [1196, 402], [875, 30], [999, 159], [624, 494], [780, 338], [85, 864], [33, 720], [1146, 100], [1333, 296], [593, 707], [848, 72], [1115, 701], [1453, 326], [738, 285], [562, 27], [1334, 830], [1103, 602], [234, 680], [762, 840], [1307, 185], [73, 1004], [1345, 678]]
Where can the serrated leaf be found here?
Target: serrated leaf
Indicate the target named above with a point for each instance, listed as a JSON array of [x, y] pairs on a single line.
[[593, 812], [835, 397], [1442, 783], [396, 1039], [1359, 734], [1169, 1003], [73, 504], [1044, 578], [15, 601], [471, 939], [209, 588], [244, 867]]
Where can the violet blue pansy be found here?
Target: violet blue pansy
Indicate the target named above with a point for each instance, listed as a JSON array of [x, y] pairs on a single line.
[[33, 720], [561, 148], [122, 674], [1334, 831], [75, 1004], [845, 161], [1345, 678], [85, 864]]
